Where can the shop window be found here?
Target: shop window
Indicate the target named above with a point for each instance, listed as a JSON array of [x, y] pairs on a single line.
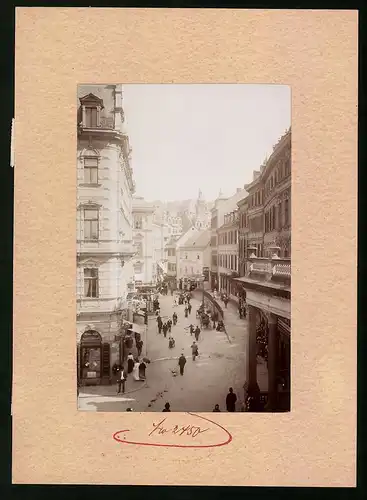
[[91, 283], [91, 224], [90, 355]]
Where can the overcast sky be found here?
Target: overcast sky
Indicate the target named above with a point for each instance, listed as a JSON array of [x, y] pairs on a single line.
[[186, 137]]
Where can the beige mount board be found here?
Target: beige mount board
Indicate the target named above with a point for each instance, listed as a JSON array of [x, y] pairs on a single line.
[[315, 52]]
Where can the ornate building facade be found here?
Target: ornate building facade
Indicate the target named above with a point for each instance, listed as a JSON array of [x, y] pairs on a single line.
[[265, 224], [145, 267], [269, 202], [222, 208], [105, 188], [228, 264]]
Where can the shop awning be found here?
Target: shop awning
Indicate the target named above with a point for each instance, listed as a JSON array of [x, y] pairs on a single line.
[[137, 328], [140, 313]]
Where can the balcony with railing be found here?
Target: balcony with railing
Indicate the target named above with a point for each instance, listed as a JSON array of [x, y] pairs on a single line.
[[274, 269]]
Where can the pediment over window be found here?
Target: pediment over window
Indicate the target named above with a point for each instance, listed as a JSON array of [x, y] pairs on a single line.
[[89, 152], [91, 100], [89, 263], [89, 204]]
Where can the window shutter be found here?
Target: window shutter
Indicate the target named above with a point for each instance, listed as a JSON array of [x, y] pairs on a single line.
[[105, 360]]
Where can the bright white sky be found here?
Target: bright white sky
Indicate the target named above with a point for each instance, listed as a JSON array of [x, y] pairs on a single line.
[[186, 137]]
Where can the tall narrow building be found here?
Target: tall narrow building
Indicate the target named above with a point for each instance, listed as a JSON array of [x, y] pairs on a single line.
[[105, 188]]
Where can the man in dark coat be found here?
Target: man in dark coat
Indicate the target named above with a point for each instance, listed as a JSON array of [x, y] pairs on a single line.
[[174, 317], [165, 329], [160, 324], [231, 400], [197, 333], [182, 363]]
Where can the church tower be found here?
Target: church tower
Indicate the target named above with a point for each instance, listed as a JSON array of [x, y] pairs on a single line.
[[201, 212]]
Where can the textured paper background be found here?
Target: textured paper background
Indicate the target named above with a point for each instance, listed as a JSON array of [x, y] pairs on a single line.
[[315, 52]]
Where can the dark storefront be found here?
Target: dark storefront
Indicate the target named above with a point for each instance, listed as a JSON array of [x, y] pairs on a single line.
[[93, 359]]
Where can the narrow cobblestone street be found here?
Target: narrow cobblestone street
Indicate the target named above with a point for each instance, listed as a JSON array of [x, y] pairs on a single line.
[[221, 364]]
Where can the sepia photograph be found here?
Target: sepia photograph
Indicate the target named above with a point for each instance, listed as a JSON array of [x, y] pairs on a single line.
[[183, 212]]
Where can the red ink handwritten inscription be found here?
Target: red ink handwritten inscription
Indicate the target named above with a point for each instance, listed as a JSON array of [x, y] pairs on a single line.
[[166, 433]]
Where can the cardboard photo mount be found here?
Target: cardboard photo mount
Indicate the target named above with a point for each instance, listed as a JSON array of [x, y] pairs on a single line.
[[316, 53]]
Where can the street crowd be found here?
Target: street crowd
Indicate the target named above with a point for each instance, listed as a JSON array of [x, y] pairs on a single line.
[[206, 317], [164, 325]]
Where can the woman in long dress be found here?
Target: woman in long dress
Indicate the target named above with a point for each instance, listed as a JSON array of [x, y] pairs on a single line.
[[130, 363], [136, 371]]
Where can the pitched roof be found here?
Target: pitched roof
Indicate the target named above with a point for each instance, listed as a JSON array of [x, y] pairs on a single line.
[[199, 240], [172, 242]]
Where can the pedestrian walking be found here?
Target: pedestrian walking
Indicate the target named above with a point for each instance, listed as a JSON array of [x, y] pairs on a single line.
[[225, 300], [169, 325], [214, 319], [139, 346], [197, 333], [186, 312], [130, 363], [189, 307], [142, 368], [165, 329], [121, 381], [192, 329], [174, 317], [194, 350], [216, 409], [167, 407], [182, 363], [136, 371], [231, 400]]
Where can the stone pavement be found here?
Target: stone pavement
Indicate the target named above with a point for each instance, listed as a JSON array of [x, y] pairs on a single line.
[[221, 364]]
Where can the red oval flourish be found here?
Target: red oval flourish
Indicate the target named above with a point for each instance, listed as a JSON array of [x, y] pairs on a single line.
[[117, 437]]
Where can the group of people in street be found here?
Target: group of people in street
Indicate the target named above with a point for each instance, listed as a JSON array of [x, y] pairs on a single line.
[[195, 331], [231, 400], [135, 367]]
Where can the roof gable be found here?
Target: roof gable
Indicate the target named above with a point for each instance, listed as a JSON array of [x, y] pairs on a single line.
[[198, 240]]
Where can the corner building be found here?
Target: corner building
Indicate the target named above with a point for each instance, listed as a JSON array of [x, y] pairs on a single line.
[[265, 227], [105, 188]]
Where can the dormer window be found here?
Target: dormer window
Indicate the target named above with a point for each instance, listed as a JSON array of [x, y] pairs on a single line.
[[91, 111]]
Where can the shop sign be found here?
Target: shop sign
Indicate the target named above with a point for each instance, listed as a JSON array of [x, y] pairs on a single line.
[[206, 273]]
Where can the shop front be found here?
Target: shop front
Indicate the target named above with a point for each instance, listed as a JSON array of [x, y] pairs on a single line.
[[93, 359]]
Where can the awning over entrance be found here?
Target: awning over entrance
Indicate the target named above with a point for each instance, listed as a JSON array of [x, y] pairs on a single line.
[[136, 328]]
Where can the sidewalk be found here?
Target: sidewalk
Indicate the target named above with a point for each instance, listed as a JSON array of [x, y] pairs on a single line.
[[233, 325]]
